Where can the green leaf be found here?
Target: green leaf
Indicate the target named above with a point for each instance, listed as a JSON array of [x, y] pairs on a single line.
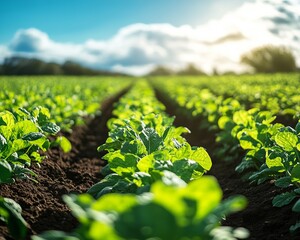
[[241, 117], [54, 235], [24, 111], [33, 136], [64, 143], [230, 205], [297, 190], [42, 143], [184, 151], [244, 165], [286, 140], [110, 146], [141, 222], [296, 207], [206, 192], [297, 128], [108, 181], [162, 165], [295, 174], [24, 127], [123, 164], [6, 171], [106, 170], [129, 147], [167, 132], [42, 114], [295, 227], [185, 169], [7, 118], [142, 178], [249, 139], [283, 182], [16, 223], [225, 122], [171, 179], [111, 202], [78, 205], [50, 127], [151, 139], [17, 145], [202, 158], [146, 163], [275, 163], [3, 142], [283, 199], [25, 157], [176, 143]]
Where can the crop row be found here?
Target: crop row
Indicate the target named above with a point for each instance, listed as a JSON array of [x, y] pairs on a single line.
[[153, 186], [276, 93], [271, 151], [68, 100], [31, 111]]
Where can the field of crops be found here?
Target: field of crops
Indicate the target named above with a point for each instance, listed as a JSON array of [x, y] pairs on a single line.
[[150, 158]]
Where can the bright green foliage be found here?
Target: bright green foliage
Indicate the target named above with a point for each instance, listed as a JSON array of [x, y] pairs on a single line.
[[63, 142], [10, 212], [271, 151], [69, 100], [142, 143], [25, 125], [171, 210], [23, 135], [208, 96]]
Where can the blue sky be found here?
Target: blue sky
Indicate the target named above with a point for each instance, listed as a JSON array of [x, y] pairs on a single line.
[[79, 20], [134, 36]]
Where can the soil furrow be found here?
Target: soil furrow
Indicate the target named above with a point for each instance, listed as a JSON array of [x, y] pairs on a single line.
[[262, 219], [60, 174]]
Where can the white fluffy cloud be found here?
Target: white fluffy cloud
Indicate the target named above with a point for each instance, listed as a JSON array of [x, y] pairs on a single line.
[[137, 48]]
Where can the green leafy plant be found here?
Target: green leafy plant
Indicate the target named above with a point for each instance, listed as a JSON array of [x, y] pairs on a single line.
[[241, 114], [138, 158], [142, 144], [185, 211], [69, 100], [22, 135], [10, 213]]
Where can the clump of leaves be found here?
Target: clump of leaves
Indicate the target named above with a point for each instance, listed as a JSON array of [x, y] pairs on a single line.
[[171, 210], [10, 213], [142, 143], [23, 136]]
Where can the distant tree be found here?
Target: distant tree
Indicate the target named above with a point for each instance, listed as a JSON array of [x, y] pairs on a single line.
[[52, 69], [215, 72], [31, 66], [161, 71], [191, 70], [270, 59], [22, 66], [73, 68]]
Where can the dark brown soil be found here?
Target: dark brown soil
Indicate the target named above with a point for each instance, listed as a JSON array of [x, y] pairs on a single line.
[[262, 219], [60, 174]]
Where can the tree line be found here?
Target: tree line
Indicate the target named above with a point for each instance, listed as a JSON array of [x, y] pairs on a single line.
[[265, 59], [31, 66]]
